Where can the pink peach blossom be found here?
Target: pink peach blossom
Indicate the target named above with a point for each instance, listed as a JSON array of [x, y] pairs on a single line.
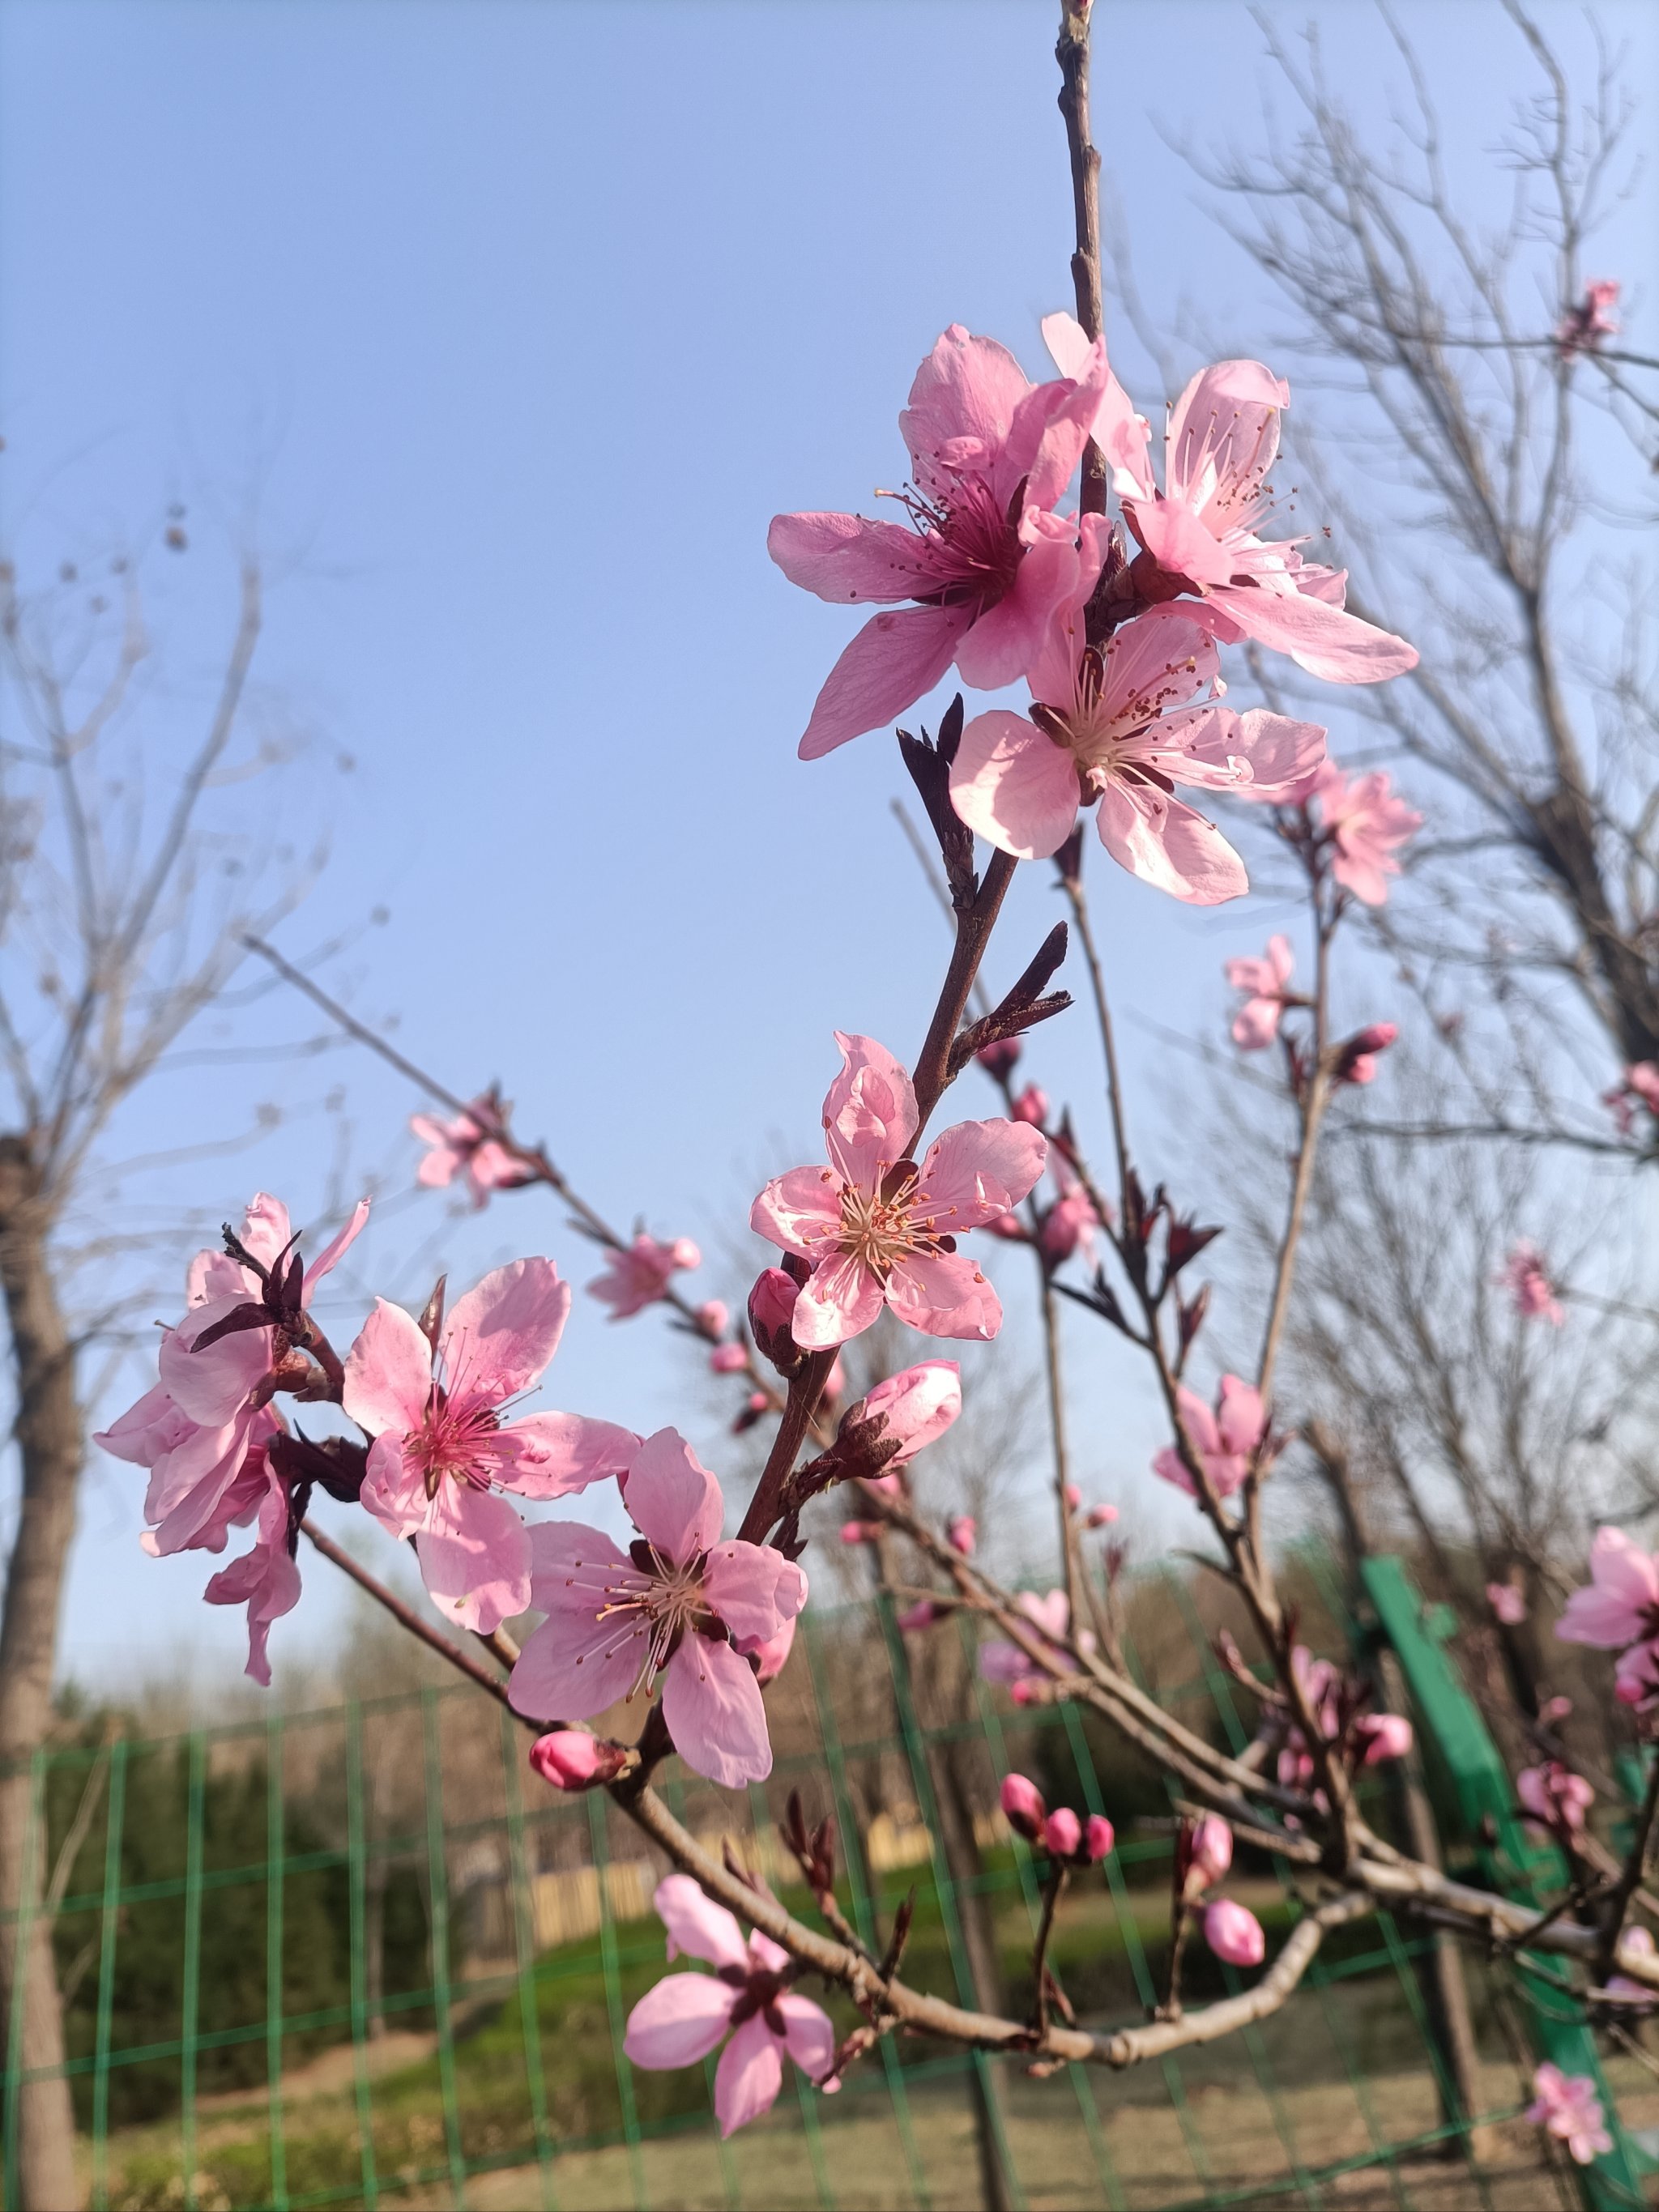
[[681, 1604], [1526, 1277], [747, 1997], [1567, 2105], [1234, 1934], [1062, 1833], [1262, 981], [1124, 722], [441, 1450], [1619, 1607], [881, 1231], [1582, 328], [914, 1408], [571, 1760], [1357, 1056], [1223, 1440], [1384, 1735], [984, 558], [201, 1430], [266, 1579], [1023, 1806], [1202, 529], [1553, 1796], [1365, 825], [1050, 1617], [1210, 1851], [638, 1277], [470, 1145], [728, 1359], [1639, 1083], [1508, 1603]]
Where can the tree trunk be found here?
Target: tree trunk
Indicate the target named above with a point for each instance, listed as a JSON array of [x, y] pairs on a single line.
[[49, 1446]]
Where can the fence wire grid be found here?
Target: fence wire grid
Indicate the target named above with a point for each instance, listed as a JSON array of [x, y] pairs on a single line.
[[362, 1956]]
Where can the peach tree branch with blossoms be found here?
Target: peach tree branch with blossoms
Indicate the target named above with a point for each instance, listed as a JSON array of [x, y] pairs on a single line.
[[1115, 622]]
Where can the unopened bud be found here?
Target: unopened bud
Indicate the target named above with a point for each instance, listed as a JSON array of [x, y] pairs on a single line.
[[1098, 1836], [712, 1316], [961, 1532], [570, 1759], [914, 1408], [1233, 1934], [1022, 1802], [1210, 1849], [1356, 1061], [1031, 1105], [728, 1359], [771, 1310], [1384, 1735], [923, 1614], [1073, 1497], [1000, 1059], [1062, 1833], [1100, 1517], [858, 1532]]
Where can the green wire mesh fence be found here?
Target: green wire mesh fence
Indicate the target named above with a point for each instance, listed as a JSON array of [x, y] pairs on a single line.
[[362, 1956]]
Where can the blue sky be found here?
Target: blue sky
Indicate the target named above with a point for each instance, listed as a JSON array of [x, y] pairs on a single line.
[[504, 329]]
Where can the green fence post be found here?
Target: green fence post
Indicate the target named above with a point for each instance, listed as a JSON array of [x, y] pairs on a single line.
[[1513, 1862], [114, 1819], [438, 1885], [276, 1867]]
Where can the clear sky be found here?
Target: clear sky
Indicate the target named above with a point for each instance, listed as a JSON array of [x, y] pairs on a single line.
[[514, 324]]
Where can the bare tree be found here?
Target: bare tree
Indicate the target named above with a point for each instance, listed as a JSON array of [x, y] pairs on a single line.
[[1488, 452], [123, 895]]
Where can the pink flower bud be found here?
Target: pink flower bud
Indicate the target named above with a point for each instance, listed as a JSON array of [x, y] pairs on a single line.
[[1098, 1836], [1031, 1105], [1000, 1059], [1233, 1934], [1212, 1849], [1062, 1833], [758, 1401], [728, 1359], [771, 1310], [1553, 1709], [570, 1759], [1073, 1496], [712, 1316], [1008, 1226], [920, 1616], [1100, 1517], [915, 1407], [858, 1532], [1022, 1801], [961, 1532], [1384, 1735], [1507, 1602], [1022, 1691], [1357, 1059]]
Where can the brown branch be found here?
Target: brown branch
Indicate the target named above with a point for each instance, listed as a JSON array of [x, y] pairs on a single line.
[[1072, 52]]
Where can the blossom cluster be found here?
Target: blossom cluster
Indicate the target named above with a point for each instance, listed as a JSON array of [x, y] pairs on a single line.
[[1117, 646]]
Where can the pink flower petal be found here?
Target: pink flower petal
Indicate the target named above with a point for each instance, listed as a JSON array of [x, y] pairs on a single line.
[[799, 1210], [1325, 639], [500, 1335], [754, 1590], [388, 1372], [749, 2076], [696, 1925], [674, 1500], [945, 1297], [967, 387], [475, 1559], [1242, 1417], [715, 1714], [266, 1228], [1008, 637], [578, 1662], [978, 1170], [684, 2019], [556, 1453], [869, 1112], [1014, 787], [211, 1384], [1167, 844], [808, 2036], [1223, 432], [394, 1485], [842, 557], [841, 1299], [895, 659], [335, 1250]]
